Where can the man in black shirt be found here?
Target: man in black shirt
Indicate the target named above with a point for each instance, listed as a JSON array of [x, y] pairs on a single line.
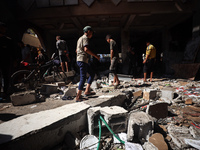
[[114, 58], [63, 52]]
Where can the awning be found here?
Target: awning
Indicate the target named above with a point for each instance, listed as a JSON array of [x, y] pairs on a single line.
[[31, 40]]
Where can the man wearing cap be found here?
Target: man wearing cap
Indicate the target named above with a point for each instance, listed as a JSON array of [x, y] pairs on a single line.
[[149, 61], [83, 51]]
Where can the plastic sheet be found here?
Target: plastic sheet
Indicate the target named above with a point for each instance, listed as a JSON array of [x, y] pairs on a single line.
[[193, 143], [132, 146]]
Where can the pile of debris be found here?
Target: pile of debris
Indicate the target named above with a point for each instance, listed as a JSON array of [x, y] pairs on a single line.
[[164, 114]]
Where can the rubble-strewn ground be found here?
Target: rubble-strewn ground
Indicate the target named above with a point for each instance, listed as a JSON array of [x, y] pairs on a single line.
[[181, 122]]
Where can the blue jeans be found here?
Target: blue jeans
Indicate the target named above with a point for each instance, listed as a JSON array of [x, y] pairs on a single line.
[[84, 69]]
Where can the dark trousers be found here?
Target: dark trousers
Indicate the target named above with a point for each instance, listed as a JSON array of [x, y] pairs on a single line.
[[149, 66], [84, 69]]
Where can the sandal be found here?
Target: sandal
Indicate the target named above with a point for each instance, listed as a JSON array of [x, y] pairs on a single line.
[[90, 93], [79, 100]]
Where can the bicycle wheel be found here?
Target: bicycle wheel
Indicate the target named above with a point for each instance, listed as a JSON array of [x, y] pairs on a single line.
[[19, 81], [59, 75]]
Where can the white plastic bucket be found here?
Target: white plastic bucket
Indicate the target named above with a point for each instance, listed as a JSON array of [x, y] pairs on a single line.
[[89, 142]]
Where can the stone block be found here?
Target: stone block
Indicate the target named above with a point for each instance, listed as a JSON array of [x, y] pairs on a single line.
[[115, 116], [93, 116], [158, 109], [158, 140], [48, 89], [23, 98], [167, 93], [140, 126], [71, 91], [149, 94]]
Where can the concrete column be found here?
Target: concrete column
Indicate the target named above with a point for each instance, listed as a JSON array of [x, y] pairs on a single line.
[[125, 38], [165, 49], [196, 20]]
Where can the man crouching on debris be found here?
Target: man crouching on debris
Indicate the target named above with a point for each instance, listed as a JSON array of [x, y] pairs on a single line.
[[149, 61], [83, 52]]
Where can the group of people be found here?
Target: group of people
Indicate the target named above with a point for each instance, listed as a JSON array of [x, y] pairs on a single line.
[[83, 51]]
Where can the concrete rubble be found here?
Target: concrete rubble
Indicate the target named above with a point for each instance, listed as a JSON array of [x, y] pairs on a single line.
[[163, 114]]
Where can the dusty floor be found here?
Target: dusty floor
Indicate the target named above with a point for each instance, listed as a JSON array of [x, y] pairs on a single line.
[[8, 111], [183, 108]]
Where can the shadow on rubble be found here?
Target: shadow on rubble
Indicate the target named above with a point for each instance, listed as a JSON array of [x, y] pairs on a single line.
[[8, 116], [142, 85], [5, 137]]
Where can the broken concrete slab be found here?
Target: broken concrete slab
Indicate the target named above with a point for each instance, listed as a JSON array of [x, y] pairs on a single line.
[[23, 98], [157, 109], [49, 130], [26, 132], [140, 126], [115, 99]]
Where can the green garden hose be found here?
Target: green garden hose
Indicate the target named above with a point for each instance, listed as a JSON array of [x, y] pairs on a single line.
[[108, 129], [99, 121]]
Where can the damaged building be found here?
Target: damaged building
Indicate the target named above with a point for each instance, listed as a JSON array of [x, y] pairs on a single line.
[[171, 25], [135, 115]]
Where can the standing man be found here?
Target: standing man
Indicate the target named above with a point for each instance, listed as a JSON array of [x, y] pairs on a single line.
[[83, 51], [63, 53], [114, 58], [149, 61]]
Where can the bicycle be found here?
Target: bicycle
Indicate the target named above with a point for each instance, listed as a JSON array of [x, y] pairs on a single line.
[[31, 79]]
